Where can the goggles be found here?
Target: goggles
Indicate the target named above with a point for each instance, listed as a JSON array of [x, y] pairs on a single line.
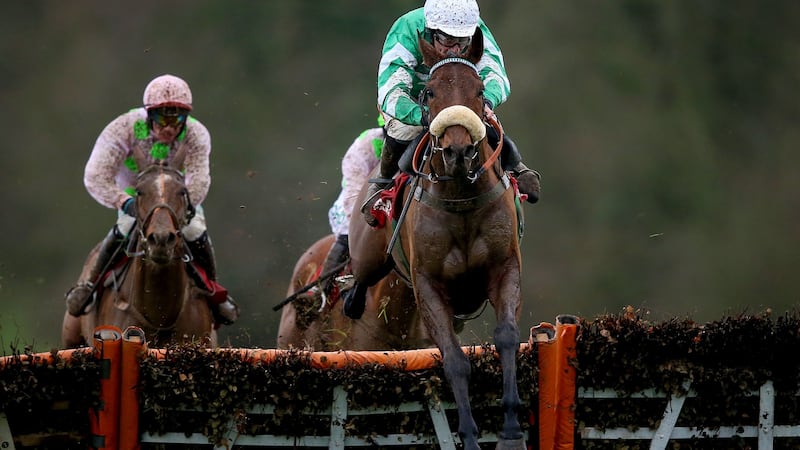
[[451, 41], [168, 116]]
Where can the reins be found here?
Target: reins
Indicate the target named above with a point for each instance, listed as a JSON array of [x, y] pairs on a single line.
[[426, 139], [495, 154], [474, 175]]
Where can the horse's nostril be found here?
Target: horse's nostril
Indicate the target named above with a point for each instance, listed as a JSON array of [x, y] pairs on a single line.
[[162, 239]]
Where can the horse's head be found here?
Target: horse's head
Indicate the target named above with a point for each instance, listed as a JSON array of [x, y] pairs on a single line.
[[163, 208], [453, 100]]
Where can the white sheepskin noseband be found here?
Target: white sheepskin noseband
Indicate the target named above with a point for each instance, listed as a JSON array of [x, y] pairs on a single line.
[[458, 115]]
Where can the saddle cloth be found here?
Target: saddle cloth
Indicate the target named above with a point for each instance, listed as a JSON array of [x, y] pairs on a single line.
[[383, 208]]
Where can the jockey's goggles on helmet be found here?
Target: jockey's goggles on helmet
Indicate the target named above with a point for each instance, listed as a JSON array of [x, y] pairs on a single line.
[[168, 116], [450, 41]]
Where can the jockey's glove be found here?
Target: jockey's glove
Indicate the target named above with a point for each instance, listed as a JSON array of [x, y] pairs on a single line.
[[488, 108], [129, 207]]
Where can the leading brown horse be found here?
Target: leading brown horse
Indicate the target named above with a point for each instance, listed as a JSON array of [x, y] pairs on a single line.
[[153, 289], [390, 321], [459, 240]]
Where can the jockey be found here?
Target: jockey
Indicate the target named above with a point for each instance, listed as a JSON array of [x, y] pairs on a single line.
[[449, 25], [159, 128]]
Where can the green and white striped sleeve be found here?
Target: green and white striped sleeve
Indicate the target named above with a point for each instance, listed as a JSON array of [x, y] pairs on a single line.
[[492, 69], [398, 80]]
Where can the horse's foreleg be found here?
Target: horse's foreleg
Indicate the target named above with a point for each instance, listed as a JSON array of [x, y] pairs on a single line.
[[438, 320], [506, 341]]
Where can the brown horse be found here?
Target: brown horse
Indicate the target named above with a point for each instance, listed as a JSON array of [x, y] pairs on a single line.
[[153, 290], [459, 240], [390, 321]]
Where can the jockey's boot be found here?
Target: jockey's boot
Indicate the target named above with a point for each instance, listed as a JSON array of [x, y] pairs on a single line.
[[355, 301], [390, 157], [79, 296], [338, 254], [528, 180], [226, 312]]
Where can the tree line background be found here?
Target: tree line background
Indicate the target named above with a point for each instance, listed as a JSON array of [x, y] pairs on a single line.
[[664, 131]]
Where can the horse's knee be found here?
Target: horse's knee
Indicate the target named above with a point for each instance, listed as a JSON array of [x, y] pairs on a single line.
[[506, 335]]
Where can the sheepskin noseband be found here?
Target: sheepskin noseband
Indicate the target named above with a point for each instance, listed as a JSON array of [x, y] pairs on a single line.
[[458, 115]]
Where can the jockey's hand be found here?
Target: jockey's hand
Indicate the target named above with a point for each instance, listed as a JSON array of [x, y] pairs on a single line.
[[488, 113], [129, 207]]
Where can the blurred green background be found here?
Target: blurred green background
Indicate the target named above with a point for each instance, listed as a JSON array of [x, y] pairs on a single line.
[[664, 132]]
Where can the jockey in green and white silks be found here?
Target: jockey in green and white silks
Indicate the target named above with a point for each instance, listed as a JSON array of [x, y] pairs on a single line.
[[449, 26], [402, 75]]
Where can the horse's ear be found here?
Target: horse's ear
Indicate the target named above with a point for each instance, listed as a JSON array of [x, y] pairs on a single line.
[[476, 47], [180, 156], [429, 54], [140, 158]]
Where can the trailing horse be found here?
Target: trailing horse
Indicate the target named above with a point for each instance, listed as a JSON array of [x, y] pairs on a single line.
[[458, 240], [150, 286]]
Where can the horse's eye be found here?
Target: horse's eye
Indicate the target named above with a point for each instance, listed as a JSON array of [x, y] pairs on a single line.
[[429, 92]]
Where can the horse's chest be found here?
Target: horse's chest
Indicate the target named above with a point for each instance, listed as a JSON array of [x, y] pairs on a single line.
[[470, 246], [454, 257]]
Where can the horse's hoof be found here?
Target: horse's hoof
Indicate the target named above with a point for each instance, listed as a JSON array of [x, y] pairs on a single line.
[[511, 444]]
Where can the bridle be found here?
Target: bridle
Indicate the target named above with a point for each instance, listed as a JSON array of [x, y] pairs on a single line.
[[141, 227], [423, 151], [177, 223]]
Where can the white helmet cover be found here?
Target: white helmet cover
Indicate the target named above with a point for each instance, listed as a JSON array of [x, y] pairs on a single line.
[[167, 90], [458, 18]]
